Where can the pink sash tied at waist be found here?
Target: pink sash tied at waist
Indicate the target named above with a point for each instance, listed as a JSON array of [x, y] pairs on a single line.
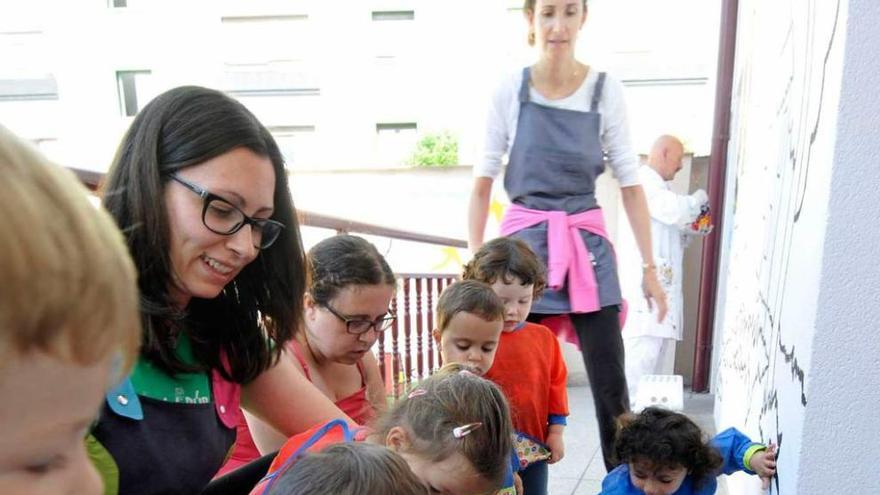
[[567, 256]]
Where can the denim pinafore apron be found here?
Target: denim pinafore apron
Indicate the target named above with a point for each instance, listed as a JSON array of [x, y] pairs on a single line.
[[144, 446], [553, 164]]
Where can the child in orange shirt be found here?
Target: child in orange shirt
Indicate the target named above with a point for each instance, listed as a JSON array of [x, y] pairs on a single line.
[[528, 363]]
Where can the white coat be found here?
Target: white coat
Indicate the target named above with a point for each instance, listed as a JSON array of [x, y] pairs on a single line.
[[671, 214]]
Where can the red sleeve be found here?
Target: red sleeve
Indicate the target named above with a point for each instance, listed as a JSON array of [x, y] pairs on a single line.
[[557, 404]]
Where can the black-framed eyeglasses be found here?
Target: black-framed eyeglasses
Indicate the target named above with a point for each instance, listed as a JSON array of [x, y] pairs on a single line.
[[224, 218], [358, 326]]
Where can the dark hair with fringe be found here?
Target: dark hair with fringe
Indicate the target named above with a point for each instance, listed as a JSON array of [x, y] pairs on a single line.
[[354, 468], [450, 398], [343, 260], [257, 312], [504, 258], [665, 439], [468, 296]]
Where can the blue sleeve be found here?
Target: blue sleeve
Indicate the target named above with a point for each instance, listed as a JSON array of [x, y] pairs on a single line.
[[509, 487], [514, 461], [556, 419], [732, 445], [508, 479], [617, 482]]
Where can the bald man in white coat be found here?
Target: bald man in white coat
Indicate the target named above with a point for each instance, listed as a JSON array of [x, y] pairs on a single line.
[[650, 345]]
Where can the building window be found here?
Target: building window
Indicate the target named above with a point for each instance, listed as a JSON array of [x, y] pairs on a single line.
[[394, 33], [396, 128], [36, 88], [296, 143], [665, 81], [266, 39], [121, 4], [395, 142], [25, 73], [292, 78], [132, 87], [394, 15]]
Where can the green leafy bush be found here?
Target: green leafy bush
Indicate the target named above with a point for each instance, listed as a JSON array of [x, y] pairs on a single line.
[[435, 150]]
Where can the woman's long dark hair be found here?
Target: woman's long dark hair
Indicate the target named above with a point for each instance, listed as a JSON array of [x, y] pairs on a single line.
[[260, 309]]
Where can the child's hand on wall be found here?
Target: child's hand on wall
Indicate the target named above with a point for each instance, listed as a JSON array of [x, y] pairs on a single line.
[[556, 446], [763, 463]]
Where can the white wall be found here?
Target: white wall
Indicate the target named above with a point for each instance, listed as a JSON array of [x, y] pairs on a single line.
[[796, 351], [844, 382]]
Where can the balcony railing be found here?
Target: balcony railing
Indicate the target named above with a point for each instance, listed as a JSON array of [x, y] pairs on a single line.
[[406, 352]]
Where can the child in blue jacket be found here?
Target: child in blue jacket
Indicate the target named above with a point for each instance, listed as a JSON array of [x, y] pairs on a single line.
[[663, 453]]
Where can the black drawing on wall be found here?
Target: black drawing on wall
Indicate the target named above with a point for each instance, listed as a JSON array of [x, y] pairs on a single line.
[[770, 194]]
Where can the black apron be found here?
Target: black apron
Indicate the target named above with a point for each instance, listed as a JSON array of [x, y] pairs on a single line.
[[161, 447]]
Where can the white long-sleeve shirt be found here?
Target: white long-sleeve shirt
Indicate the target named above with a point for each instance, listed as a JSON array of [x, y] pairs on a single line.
[[665, 206], [614, 127]]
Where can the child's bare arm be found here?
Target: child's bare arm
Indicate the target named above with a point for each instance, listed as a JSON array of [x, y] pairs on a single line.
[[763, 463]]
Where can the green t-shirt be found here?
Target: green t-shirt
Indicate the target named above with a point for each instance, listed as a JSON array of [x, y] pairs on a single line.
[[187, 388]]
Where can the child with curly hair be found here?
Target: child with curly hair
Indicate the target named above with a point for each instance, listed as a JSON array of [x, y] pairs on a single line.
[[664, 453]]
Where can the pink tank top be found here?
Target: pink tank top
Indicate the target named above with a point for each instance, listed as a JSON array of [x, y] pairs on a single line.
[[356, 406]]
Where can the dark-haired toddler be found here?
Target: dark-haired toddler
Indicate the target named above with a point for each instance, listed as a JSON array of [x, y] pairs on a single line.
[[664, 453]]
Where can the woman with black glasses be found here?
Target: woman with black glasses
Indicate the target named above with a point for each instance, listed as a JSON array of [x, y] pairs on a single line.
[[199, 189], [346, 306]]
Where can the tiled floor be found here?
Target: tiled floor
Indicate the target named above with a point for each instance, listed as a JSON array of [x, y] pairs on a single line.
[[582, 469]]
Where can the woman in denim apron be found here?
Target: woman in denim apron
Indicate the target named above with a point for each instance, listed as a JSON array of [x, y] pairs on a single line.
[[199, 189], [558, 121]]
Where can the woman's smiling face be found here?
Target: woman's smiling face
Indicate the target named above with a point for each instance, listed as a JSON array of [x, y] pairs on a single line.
[[203, 262]]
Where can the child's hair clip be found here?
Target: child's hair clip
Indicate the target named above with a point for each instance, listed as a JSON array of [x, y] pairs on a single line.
[[465, 430], [416, 393]]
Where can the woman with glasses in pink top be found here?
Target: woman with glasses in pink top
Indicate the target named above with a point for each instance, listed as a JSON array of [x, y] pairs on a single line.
[[345, 308]]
